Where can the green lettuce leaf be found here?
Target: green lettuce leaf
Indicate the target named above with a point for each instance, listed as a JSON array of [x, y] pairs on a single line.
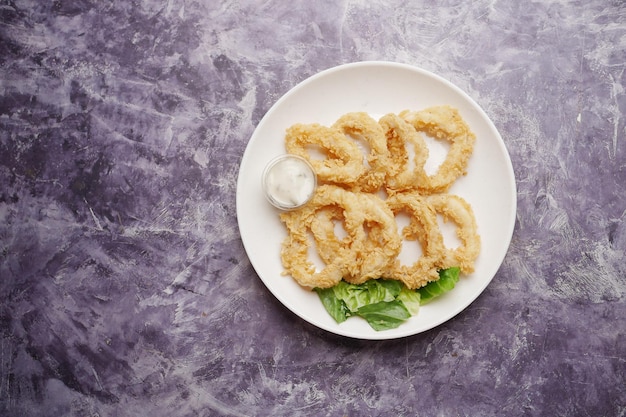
[[333, 305], [447, 280], [383, 303], [377, 301], [384, 315], [411, 300], [370, 292]]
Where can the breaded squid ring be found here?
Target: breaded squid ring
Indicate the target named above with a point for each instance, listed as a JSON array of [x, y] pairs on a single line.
[[360, 126], [295, 248], [350, 178], [443, 123], [328, 244], [424, 228], [399, 134], [343, 160], [324, 231], [456, 209], [356, 259]]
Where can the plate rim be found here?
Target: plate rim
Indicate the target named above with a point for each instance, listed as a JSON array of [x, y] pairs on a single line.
[[423, 72]]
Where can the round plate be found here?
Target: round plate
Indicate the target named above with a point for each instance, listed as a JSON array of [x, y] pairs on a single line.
[[377, 88]]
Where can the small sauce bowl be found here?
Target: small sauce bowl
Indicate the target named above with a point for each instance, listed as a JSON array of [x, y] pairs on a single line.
[[289, 182]]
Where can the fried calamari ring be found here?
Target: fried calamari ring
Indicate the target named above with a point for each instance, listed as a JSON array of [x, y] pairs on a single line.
[[456, 209], [378, 243], [400, 135], [443, 123], [325, 225], [424, 228], [328, 243], [353, 230], [342, 161], [357, 258], [359, 126], [294, 253]]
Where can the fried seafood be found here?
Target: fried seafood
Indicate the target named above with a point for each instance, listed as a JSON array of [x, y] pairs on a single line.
[[360, 126], [342, 161], [325, 225], [424, 228], [456, 209], [353, 230], [400, 135], [373, 240], [443, 123]]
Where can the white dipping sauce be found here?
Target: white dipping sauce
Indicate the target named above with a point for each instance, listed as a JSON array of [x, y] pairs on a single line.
[[289, 182]]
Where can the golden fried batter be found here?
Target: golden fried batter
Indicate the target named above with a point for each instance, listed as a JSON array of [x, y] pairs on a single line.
[[356, 259], [443, 123], [353, 229], [423, 228], [456, 209], [361, 126], [342, 161], [400, 136]]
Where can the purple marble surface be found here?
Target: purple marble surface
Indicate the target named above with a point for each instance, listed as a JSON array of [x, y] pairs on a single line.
[[124, 286]]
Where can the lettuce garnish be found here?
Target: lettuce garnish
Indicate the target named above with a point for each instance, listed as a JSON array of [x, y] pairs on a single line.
[[383, 303], [447, 280]]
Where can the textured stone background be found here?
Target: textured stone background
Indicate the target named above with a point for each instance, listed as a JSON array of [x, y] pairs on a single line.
[[124, 286]]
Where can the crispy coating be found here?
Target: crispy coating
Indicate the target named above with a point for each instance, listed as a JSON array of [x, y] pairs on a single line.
[[363, 256], [456, 209], [400, 135], [351, 227], [424, 228], [342, 160], [359, 126], [442, 123], [327, 223], [295, 248]]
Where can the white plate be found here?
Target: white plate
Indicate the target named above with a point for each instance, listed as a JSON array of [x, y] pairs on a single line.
[[377, 88]]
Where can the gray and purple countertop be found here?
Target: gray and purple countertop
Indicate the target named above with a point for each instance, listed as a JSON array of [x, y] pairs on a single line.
[[125, 289]]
